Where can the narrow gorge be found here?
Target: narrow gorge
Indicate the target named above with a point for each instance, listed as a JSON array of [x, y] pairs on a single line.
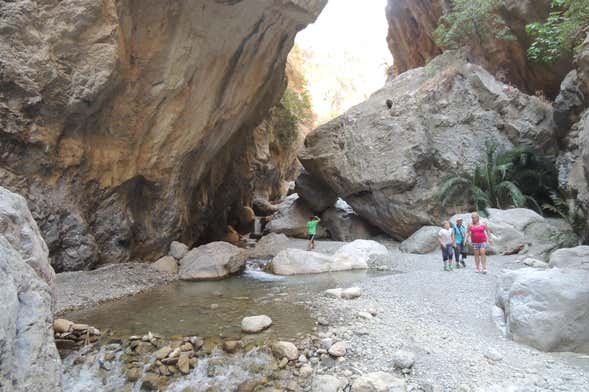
[[177, 215]]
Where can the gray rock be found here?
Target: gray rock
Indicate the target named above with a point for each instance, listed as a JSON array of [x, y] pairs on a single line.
[[493, 355], [388, 164], [351, 293], [577, 258], [316, 194], [263, 207], [30, 361], [178, 250], [423, 241], [166, 264], [255, 324], [360, 251], [535, 263], [269, 246], [547, 309], [292, 217], [379, 382], [327, 383], [403, 359], [299, 262], [216, 260], [343, 224], [337, 349]]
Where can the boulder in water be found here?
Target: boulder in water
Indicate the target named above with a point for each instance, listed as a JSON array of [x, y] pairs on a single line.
[[285, 350], [547, 309], [359, 252], [216, 260], [300, 262], [255, 324]]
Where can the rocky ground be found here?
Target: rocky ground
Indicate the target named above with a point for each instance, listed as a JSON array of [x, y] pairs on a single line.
[[444, 318], [75, 290]]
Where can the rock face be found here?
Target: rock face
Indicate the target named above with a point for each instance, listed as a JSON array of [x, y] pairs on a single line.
[[130, 124], [343, 224], [411, 39], [388, 164], [216, 260], [292, 217], [30, 361], [547, 309], [315, 193]]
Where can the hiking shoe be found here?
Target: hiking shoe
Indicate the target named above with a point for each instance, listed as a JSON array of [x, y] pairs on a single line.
[[446, 269], [477, 270], [485, 271], [463, 264]]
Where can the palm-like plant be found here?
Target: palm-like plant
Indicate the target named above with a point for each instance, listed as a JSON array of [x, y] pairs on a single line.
[[573, 213], [489, 185]]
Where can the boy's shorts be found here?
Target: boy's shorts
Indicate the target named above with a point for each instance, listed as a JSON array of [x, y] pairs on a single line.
[[311, 237]]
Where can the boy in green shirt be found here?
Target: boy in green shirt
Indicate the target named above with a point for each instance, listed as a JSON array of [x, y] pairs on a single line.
[[312, 231]]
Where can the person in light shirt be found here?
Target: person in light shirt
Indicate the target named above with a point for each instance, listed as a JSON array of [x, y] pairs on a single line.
[[446, 239]]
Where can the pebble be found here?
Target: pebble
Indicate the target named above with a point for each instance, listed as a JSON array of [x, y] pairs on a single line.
[[338, 349]]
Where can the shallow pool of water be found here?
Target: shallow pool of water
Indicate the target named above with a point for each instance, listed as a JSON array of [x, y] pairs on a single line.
[[216, 308]]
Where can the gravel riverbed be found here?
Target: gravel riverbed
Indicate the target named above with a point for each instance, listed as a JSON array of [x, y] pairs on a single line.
[[444, 318]]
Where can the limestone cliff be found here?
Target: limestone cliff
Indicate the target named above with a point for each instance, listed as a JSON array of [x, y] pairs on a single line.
[[127, 123], [411, 39]]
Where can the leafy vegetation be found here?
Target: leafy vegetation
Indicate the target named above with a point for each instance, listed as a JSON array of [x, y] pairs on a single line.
[[471, 20], [561, 32], [575, 214], [293, 110], [516, 178]]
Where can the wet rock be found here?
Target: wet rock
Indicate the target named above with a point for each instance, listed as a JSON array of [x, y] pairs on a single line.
[[576, 258], [318, 196], [178, 250], [379, 382], [292, 217], [285, 350], [423, 241], [152, 382], [337, 349], [184, 363], [211, 261], [403, 359], [333, 293], [144, 348], [283, 362], [255, 324], [547, 309], [232, 346], [166, 264], [351, 293], [298, 262], [62, 325], [162, 352], [133, 374]]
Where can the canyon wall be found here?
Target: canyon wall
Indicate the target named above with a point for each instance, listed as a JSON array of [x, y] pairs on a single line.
[[411, 39], [128, 124]]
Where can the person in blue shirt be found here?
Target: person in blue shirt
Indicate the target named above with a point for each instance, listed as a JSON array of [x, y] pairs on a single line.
[[460, 243]]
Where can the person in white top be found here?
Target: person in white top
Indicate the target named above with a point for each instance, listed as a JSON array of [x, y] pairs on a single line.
[[446, 239]]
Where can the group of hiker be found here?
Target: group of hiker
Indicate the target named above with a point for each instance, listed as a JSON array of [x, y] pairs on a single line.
[[453, 238]]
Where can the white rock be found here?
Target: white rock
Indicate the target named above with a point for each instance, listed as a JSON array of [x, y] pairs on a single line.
[[255, 324], [166, 264], [365, 315], [379, 382], [211, 261], [299, 262], [535, 263], [423, 241], [577, 258], [285, 350], [306, 371], [358, 253], [178, 250], [351, 293], [338, 349], [493, 355], [327, 383], [334, 293], [547, 309], [403, 359]]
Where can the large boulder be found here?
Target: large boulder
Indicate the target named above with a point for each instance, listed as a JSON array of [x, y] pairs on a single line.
[[576, 258], [343, 224], [547, 309], [292, 217], [216, 260], [30, 361], [317, 194], [352, 256], [388, 164], [423, 241], [269, 246]]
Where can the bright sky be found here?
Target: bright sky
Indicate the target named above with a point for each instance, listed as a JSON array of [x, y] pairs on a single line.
[[347, 55]]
